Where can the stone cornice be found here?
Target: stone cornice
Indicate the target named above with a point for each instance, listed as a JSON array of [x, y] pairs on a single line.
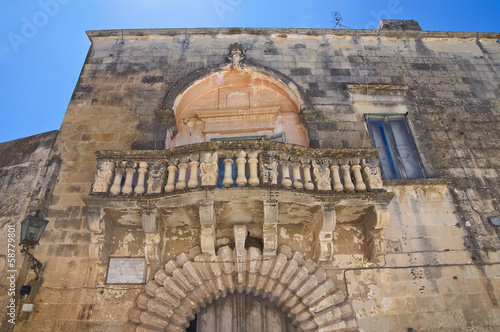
[[406, 34], [294, 150]]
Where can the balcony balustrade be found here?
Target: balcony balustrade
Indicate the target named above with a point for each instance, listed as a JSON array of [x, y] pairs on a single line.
[[217, 186], [237, 164]]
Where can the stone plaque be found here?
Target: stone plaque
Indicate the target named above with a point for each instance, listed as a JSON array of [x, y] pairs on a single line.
[[126, 270]]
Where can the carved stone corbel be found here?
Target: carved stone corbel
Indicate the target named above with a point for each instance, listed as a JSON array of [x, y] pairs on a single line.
[[207, 224], [326, 226], [99, 247], [375, 221], [96, 248], [149, 222], [377, 218], [152, 246], [240, 235], [270, 228], [95, 220]]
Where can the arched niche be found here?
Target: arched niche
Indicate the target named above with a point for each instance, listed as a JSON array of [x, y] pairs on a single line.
[[238, 103]]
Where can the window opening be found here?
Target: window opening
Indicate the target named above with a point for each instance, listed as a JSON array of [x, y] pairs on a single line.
[[399, 158]]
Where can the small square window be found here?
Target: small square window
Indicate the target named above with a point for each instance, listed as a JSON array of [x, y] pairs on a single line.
[[399, 158]]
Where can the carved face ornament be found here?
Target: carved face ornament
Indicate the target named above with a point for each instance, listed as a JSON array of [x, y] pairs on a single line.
[[236, 55]]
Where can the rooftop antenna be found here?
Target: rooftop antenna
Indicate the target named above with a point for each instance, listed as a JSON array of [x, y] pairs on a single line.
[[338, 17]]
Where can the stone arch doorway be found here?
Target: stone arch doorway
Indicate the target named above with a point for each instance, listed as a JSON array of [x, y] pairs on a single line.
[[241, 312], [297, 286]]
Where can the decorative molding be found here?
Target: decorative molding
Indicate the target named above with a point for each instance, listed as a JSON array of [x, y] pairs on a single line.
[[237, 113], [377, 88]]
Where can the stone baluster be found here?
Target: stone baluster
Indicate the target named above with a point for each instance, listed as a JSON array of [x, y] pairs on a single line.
[[337, 183], [322, 174], [297, 179], [129, 178], [228, 170], [358, 178], [172, 169], [285, 171], [181, 181], [306, 169], [241, 179], [116, 188], [346, 174], [143, 170], [193, 175], [253, 164]]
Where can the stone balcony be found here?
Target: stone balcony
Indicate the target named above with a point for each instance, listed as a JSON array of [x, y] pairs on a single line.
[[251, 164], [240, 183]]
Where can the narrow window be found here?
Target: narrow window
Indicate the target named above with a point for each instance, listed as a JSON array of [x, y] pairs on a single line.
[[399, 157]]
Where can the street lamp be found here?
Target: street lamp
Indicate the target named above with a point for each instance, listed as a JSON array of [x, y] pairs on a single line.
[[31, 230]]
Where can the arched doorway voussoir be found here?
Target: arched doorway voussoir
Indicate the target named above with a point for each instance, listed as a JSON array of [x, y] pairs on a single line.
[[295, 285]]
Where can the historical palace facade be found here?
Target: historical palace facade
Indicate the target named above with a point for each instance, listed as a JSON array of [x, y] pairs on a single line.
[[266, 180]]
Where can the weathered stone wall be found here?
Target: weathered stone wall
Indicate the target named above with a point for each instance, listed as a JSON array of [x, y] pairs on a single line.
[[28, 173], [437, 231], [428, 280]]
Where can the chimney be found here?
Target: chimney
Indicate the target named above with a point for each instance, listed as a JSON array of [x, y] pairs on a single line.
[[399, 25]]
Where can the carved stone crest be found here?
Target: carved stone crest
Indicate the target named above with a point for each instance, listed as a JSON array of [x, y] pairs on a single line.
[[371, 174], [269, 169], [322, 175], [209, 169], [156, 177], [236, 55], [103, 177]]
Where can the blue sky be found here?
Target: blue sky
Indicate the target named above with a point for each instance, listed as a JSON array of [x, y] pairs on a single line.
[[43, 43]]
